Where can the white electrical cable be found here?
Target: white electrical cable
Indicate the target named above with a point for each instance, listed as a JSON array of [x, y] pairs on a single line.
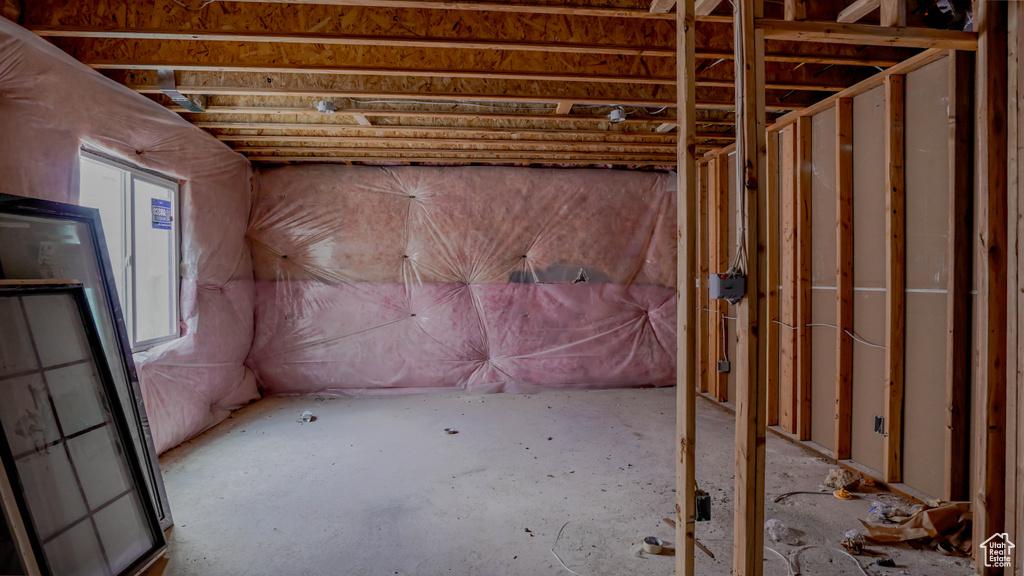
[[556, 554], [783, 324], [720, 312], [784, 559]]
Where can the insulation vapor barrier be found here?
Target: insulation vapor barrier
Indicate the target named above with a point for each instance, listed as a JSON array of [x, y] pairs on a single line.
[[375, 281], [50, 106]]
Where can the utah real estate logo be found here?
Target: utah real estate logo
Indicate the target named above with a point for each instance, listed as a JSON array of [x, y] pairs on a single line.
[[998, 550]]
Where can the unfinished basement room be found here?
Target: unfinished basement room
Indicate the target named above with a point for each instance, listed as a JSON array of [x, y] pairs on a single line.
[[511, 287]]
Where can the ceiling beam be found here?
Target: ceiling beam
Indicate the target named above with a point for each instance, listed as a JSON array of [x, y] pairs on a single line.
[[540, 145], [146, 88], [866, 34], [369, 113], [447, 129], [507, 7], [436, 151], [858, 10], [662, 6], [407, 72], [461, 160], [440, 43], [703, 8]]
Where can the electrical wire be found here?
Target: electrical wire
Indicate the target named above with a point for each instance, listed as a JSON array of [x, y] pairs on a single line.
[[784, 559], [556, 554], [201, 6]]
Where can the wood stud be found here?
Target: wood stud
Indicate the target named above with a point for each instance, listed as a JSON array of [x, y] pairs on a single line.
[[895, 278], [844, 278]]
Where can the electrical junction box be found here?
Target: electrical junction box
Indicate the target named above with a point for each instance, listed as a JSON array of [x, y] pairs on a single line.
[[724, 366], [728, 287], [703, 508]]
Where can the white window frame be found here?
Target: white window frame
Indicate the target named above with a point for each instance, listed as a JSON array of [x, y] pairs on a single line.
[[127, 275]]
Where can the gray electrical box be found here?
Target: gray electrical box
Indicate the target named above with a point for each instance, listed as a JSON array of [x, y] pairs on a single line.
[[728, 287]]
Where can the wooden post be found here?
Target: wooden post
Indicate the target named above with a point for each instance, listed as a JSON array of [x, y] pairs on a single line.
[[844, 277], [771, 273], [720, 263], [714, 318], [748, 43], [958, 297], [893, 13], [895, 278], [796, 10], [990, 387], [787, 274], [686, 386], [703, 344], [804, 170]]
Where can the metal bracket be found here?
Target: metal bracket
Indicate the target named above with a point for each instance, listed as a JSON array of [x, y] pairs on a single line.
[[196, 103]]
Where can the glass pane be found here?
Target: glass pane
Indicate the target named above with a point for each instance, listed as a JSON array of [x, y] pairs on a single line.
[[15, 350], [156, 272], [52, 322], [102, 187], [27, 417], [74, 474], [60, 247], [75, 552], [119, 526]]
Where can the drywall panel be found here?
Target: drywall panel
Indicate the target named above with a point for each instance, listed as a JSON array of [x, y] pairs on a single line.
[[869, 214], [823, 278], [734, 208], [927, 233]]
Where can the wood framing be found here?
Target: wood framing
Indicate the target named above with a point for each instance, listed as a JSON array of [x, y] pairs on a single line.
[[771, 274], [958, 299], [857, 10], [893, 13], [662, 6], [704, 344], [867, 35], [748, 551], [686, 385], [844, 278], [895, 278], [795, 9], [788, 280], [719, 211], [990, 19], [714, 235], [705, 7], [804, 171]]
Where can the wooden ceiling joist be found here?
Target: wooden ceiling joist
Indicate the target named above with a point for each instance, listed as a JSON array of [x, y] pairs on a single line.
[[591, 10], [462, 160], [556, 154], [450, 96], [407, 72], [866, 34], [820, 57], [292, 127], [476, 142]]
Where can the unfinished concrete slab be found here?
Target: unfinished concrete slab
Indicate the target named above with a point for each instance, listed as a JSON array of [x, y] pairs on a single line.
[[376, 487]]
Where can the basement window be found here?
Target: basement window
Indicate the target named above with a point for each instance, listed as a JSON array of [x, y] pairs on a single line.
[[139, 214]]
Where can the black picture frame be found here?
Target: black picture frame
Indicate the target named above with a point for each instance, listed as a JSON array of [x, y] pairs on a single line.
[[130, 395]]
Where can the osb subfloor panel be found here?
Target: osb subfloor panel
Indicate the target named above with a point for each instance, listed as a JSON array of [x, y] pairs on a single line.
[[375, 487]]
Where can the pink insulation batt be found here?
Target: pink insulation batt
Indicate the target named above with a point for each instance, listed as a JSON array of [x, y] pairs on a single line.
[[374, 281], [50, 105]]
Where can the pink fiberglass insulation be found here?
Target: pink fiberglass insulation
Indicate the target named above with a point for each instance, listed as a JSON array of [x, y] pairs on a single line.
[[50, 105], [373, 281]]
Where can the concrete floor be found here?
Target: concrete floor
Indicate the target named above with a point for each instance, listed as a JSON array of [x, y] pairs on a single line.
[[375, 487]]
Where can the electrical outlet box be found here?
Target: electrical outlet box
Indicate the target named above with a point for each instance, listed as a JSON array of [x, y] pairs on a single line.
[[879, 424], [728, 287], [724, 366], [703, 508]]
